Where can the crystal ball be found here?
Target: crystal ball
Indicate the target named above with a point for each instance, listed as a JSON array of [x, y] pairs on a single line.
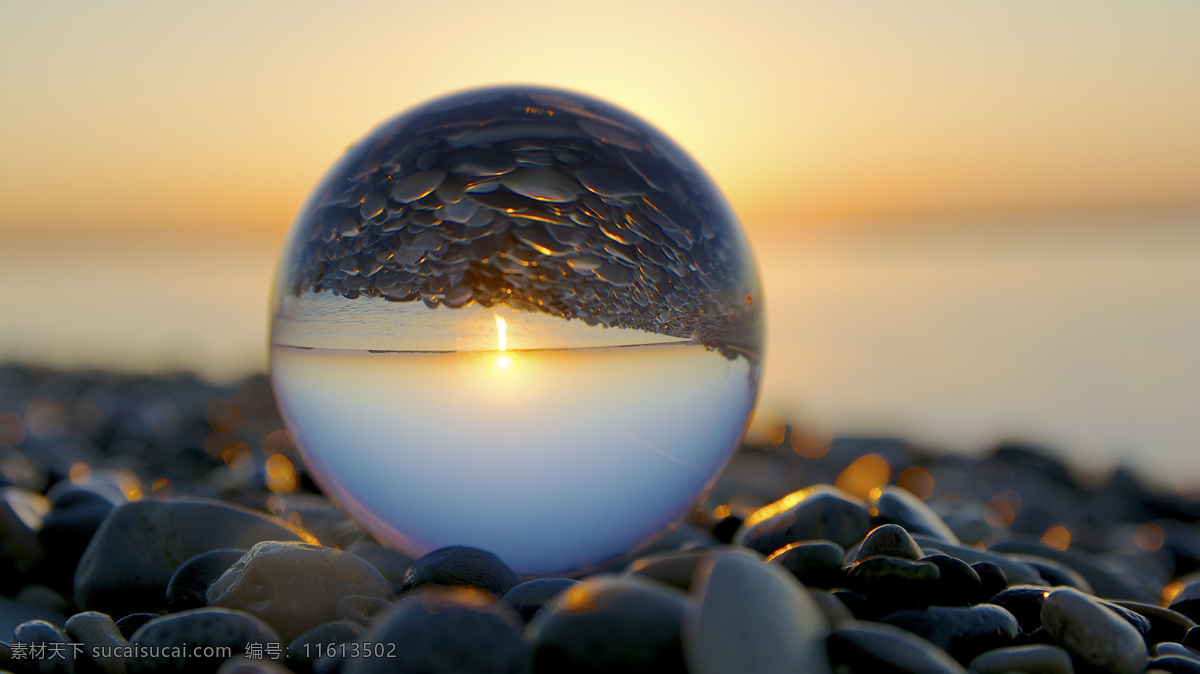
[[519, 319]]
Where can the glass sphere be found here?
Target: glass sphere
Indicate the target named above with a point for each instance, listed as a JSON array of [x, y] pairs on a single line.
[[518, 319]]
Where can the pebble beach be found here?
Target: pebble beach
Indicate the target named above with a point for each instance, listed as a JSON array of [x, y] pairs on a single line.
[[164, 524]]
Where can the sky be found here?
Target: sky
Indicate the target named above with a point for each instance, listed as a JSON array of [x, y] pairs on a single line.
[[221, 116], [972, 218]]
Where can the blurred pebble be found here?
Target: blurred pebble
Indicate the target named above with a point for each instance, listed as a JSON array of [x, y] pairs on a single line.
[[445, 631], [1187, 601], [1172, 648], [892, 582], [1192, 639], [188, 586], [275, 581], [1039, 659], [1105, 583], [992, 579], [212, 626], [306, 649], [677, 567], [899, 506], [958, 584], [813, 563], [750, 616], [462, 565], [360, 609], [1024, 602], [133, 622], [1017, 573], [243, 665], [98, 635], [1093, 633], [891, 540], [138, 548], [820, 512], [533, 595], [876, 647], [1174, 664], [68, 528], [963, 632], [611, 624]]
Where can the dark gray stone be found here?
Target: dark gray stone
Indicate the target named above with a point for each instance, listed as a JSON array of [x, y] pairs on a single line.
[[611, 624], [817, 513], [168, 635], [884, 649], [891, 540], [532, 596], [958, 584], [893, 582], [1187, 601], [188, 586], [963, 632], [1038, 658], [1165, 624], [1174, 664], [900, 506], [1024, 602], [992, 579], [1106, 583], [815, 564], [321, 640], [140, 545], [445, 631], [462, 565], [677, 567], [1017, 573]]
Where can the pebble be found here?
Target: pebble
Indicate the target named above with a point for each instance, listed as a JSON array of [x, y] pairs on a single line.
[[963, 632], [22, 512], [893, 582], [891, 540], [884, 649], [360, 609], [306, 649], [1025, 603], [817, 513], [131, 623], [1104, 582], [1165, 625], [274, 581], [1187, 601], [444, 631], [533, 595], [188, 586], [678, 567], [67, 530], [958, 584], [611, 624], [1175, 664], [992, 579], [212, 626], [138, 548], [13, 613], [814, 564], [899, 506], [462, 565], [747, 616], [1091, 632], [1192, 639], [243, 665], [98, 634], [1017, 573], [1173, 648], [1036, 659], [59, 656]]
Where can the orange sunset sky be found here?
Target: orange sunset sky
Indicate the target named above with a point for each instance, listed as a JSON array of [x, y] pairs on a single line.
[[199, 117]]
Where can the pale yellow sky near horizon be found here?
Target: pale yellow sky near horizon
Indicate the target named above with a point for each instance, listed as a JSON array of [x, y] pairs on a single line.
[[222, 115]]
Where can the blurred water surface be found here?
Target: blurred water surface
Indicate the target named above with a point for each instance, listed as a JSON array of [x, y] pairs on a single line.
[[1079, 332]]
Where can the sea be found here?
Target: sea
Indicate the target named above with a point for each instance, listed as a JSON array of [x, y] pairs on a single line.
[[1079, 332]]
